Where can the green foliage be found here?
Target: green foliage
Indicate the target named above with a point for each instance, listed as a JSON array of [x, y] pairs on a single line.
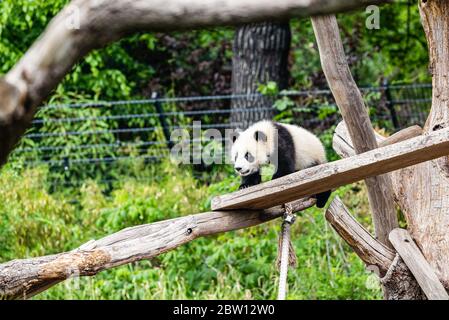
[[283, 104], [397, 50], [32, 220], [268, 89], [235, 265]]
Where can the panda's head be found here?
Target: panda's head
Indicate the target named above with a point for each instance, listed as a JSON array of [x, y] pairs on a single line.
[[250, 150]]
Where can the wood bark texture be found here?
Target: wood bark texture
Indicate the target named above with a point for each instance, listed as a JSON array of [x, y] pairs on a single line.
[[420, 268], [435, 19], [260, 55], [400, 284], [423, 190]]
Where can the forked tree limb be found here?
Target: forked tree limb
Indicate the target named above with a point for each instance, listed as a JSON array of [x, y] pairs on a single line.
[[20, 279], [402, 135], [62, 44], [342, 143], [352, 107]]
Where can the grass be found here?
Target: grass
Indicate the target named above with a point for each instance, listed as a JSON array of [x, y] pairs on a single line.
[[234, 265]]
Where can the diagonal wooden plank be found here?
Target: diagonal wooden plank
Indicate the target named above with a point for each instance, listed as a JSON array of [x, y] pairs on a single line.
[[335, 174], [355, 114], [420, 268]]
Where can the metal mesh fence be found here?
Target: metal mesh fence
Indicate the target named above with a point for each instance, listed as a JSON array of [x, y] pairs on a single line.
[[92, 139]]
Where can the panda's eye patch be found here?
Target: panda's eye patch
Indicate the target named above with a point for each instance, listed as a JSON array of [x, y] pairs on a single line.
[[249, 157]]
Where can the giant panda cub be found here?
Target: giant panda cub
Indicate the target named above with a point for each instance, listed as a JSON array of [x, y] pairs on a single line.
[[255, 147]]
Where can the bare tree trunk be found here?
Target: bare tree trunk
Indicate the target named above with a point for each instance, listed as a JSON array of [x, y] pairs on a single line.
[[260, 55], [435, 18]]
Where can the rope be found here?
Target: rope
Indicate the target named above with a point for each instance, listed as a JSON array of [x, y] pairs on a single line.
[[286, 251]]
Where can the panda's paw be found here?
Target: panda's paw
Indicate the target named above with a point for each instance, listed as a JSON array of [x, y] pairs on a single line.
[[244, 186]]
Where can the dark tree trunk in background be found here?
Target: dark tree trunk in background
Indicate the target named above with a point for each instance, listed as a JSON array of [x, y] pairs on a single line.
[[260, 55]]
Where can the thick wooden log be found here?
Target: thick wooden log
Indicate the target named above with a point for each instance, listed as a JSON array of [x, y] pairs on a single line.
[[404, 134], [435, 17], [58, 49], [20, 279], [335, 174], [422, 191], [355, 114], [420, 268], [371, 251]]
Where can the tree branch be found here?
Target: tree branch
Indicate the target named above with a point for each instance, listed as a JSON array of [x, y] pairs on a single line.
[[342, 143], [54, 54], [371, 251], [27, 277]]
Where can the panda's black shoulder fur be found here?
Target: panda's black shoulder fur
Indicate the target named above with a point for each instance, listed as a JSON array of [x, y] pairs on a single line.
[[286, 151], [287, 158]]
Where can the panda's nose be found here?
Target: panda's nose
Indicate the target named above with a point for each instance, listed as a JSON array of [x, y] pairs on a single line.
[[238, 169]]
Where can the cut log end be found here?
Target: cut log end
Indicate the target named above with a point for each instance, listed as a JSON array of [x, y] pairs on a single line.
[[419, 267]]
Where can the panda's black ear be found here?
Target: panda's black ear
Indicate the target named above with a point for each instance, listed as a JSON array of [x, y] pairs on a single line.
[[260, 136], [235, 135]]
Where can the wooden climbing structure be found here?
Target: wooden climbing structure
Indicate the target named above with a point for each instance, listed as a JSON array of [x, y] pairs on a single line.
[[409, 170]]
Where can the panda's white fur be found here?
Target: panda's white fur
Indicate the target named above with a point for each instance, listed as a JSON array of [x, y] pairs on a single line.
[[290, 148], [308, 148]]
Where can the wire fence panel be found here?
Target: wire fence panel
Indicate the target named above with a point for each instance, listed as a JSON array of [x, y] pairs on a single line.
[[86, 140]]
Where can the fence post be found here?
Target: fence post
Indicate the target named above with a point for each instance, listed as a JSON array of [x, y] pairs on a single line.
[[390, 104], [162, 119]]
